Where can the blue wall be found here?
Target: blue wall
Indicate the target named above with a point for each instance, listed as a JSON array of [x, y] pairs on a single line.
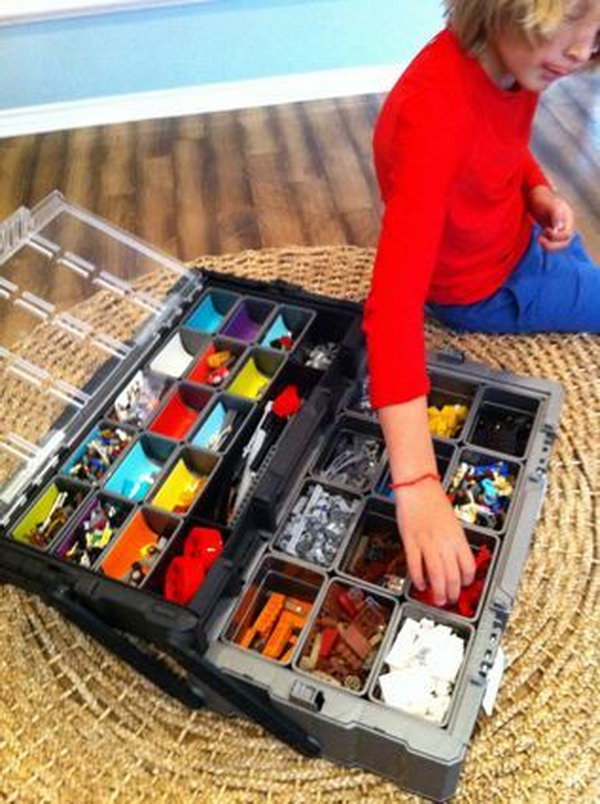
[[220, 40]]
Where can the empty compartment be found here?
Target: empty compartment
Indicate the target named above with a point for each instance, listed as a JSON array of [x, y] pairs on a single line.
[[503, 422], [421, 663], [98, 451], [185, 481], [286, 328], [139, 399], [137, 472], [351, 457], [448, 404], [317, 524], [211, 311], [345, 636], [482, 488], [177, 355], [247, 319], [222, 423], [375, 554], [181, 411], [484, 548], [93, 531], [274, 609], [139, 547], [50, 512], [255, 376], [216, 363]]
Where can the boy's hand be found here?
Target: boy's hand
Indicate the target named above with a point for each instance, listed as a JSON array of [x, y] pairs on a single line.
[[554, 215], [436, 547]]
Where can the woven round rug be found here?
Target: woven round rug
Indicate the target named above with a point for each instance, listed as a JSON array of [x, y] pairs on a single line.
[[77, 725]]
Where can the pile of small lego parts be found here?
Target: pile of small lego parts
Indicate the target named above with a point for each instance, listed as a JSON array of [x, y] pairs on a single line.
[[220, 364], [345, 638], [446, 421], [275, 631], [379, 558], [95, 533], [140, 397], [481, 493], [100, 453], [470, 595], [317, 525], [424, 662], [62, 509], [354, 460]]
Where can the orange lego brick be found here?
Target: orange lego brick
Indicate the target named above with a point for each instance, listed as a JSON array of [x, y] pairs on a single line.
[[247, 636], [280, 636], [269, 614]]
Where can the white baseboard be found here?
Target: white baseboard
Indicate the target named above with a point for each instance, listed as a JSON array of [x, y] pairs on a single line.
[[197, 99]]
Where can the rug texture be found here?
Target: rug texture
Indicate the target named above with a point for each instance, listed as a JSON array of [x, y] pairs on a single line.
[[76, 725]]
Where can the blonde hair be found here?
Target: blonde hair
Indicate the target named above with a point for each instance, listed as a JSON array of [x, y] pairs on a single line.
[[475, 20]]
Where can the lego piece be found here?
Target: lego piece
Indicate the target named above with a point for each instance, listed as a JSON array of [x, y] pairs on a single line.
[[205, 544], [269, 613], [446, 421], [184, 576]]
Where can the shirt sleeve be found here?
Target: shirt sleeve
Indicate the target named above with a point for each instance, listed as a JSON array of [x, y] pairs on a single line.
[[533, 175], [418, 152]]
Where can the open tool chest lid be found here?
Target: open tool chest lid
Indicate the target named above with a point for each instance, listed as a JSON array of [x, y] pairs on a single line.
[[53, 259]]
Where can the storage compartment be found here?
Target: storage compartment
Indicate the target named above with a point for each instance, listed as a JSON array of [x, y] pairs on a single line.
[[274, 609]]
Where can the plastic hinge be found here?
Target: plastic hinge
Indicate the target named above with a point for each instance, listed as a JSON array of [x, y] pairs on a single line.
[[307, 696]]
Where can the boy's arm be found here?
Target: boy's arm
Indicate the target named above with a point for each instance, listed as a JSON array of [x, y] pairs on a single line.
[[434, 542], [420, 154]]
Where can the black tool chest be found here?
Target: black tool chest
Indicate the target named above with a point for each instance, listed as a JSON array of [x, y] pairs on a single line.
[[216, 492]]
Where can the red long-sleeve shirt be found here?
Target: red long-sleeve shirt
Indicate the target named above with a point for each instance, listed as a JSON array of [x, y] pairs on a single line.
[[453, 163]]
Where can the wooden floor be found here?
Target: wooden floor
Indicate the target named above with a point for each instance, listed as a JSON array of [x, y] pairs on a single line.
[[292, 174]]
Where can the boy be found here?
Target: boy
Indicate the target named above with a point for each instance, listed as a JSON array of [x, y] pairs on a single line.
[[473, 228]]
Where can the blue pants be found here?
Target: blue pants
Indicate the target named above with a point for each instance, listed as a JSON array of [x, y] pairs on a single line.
[[547, 292]]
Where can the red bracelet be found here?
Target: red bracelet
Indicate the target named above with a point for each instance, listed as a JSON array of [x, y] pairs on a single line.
[[431, 475]]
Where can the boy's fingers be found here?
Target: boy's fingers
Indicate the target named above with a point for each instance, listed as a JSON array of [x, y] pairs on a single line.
[[466, 564], [453, 577], [414, 561], [437, 578]]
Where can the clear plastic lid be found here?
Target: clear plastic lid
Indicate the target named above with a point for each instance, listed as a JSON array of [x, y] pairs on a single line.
[[77, 296]]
